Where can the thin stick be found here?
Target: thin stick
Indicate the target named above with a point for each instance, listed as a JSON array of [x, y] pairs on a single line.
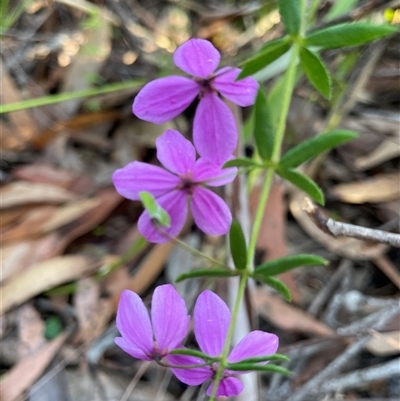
[[338, 229], [341, 361], [135, 381]]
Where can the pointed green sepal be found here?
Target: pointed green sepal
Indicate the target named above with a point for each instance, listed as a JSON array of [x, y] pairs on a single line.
[[155, 210]]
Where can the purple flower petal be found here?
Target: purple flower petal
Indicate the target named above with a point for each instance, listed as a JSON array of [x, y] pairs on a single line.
[[197, 57], [175, 153], [211, 322], [175, 203], [133, 323], [131, 350], [137, 176], [241, 92], [214, 130], [193, 376], [165, 98], [228, 387], [210, 213], [169, 317], [213, 175], [256, 343]]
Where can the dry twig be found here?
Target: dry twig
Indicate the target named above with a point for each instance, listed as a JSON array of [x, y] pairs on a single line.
[[338, 229]]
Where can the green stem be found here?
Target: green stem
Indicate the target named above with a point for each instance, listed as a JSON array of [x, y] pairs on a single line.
[[63, 97], [290, 79], [198, 253], [231, 329]]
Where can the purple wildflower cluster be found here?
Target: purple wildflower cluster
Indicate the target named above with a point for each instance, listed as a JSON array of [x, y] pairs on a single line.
[[180, 184], [154, 339], [215, 137]]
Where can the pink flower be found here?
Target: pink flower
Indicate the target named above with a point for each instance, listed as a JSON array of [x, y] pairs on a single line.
[[176, 188], [214, 129], [211, 323], [147, 340]]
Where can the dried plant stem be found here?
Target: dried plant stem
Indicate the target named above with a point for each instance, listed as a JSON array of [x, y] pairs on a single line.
[[338, 229], [341, 361], [361, 377]]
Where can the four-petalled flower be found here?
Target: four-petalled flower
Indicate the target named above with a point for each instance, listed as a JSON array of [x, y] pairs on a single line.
[[211, 322], [153, 340], [173, 189], [214, 128]]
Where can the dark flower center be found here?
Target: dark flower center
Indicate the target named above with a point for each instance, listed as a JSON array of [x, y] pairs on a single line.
[[205, 85], [187, 184]]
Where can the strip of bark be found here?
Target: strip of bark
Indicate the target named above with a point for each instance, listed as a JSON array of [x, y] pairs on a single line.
[[339, 229]]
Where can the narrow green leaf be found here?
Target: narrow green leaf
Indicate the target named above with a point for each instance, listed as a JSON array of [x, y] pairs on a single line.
[[352, 34], [276, 284], [238, 246], [314, 147], [281, 265], [214, 272], [268, 53], [263, 126], [339, 7], [290, 11], [316, 71], [192, 352], [63, 97], [273, 357], [305, 183], [154, 209], [261, 368], [242, 162]]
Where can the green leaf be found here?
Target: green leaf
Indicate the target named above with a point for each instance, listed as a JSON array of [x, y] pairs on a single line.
[[263, 126], [276, 284], [273, 357], [305, 183], [281, 265], [53, 327], [290, 11], [214, 272], [344, 35], [261, 368], [316, 71], [314, 147], [339, 8], [241, 162], [192, 352], [155, 210], [238, 246], [268, 53]]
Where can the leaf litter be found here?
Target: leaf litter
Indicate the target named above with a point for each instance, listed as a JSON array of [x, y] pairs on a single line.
[[64, 229]]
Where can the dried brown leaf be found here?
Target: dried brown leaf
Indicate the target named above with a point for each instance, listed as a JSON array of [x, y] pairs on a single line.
[[26, 372], [379, 188], [44, 276], [23, 193], [387, 150], [20, 256], [45, 174], [93, 312], [288, 317]]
